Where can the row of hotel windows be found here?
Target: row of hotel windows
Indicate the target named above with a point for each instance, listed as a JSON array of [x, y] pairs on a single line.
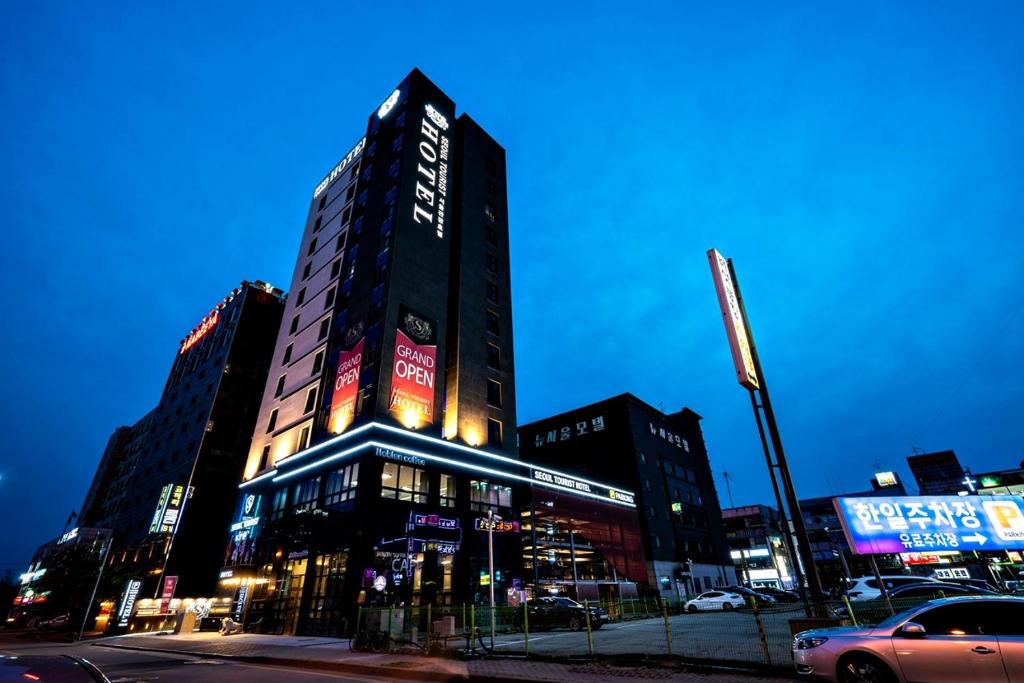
[[397, 482]]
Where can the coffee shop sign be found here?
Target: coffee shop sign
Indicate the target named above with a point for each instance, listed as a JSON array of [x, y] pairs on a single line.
[[582, 428]]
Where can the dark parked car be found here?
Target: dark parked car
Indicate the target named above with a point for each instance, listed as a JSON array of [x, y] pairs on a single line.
[[762, 598], [551, 612], [63, 668], [905, 597], [779, 594]]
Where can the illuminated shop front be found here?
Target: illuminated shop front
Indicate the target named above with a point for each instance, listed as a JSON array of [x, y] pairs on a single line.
[[386, 516]]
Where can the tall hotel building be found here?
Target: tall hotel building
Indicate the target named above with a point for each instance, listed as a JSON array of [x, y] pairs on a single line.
[[386, 436]]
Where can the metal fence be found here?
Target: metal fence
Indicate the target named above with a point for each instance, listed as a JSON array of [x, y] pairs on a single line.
[[644, 628]]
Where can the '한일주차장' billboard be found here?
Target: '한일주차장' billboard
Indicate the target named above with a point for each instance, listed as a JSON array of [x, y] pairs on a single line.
[[902, 524]]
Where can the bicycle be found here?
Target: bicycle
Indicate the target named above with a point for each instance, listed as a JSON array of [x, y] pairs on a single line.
[[369, 641]]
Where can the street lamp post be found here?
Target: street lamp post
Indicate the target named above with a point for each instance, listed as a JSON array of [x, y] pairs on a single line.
[[96, 586], [491, 517]]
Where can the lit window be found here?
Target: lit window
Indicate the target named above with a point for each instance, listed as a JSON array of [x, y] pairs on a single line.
[[402, 482], [484, 496], [306, 494], [341, 486], [303, 441], [447, 491]]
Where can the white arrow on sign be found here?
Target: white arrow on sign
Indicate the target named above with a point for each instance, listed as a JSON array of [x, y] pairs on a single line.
[[976, 537]]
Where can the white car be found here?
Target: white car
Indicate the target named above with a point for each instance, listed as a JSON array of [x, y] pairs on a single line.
[[715, 600], [866, 587]]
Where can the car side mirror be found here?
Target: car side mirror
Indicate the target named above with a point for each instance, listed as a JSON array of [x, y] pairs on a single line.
[[912, 629]]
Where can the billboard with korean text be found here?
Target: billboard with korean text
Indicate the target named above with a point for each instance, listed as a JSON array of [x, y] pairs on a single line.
[[922, 524]]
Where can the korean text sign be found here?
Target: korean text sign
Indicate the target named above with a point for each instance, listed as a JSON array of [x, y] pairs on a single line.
[[903, 524]]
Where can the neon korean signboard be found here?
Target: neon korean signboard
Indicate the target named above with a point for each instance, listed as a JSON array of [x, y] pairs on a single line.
[[205, 325], [923, 524]]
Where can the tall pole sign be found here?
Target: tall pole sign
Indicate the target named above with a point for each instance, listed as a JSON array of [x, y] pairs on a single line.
[[735, 327], [751, 375]]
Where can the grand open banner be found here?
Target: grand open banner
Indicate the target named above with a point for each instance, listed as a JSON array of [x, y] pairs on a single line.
[[902, 524], [414, 370], [346, 388]]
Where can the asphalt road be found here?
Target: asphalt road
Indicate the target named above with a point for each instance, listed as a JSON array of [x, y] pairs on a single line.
[[131, 666]]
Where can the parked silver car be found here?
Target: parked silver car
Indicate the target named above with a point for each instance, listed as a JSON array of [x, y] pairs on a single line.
[[972, 638]]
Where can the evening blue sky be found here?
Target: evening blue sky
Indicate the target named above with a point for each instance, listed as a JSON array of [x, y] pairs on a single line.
[[861, 163]]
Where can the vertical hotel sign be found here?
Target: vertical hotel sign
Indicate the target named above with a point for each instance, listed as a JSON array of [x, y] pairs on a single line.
[[346, 387], [431, 194], [735, 328], [414, 370]]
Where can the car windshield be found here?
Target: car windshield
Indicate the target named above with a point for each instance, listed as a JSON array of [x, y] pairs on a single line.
[[897, 618], [566, 602]]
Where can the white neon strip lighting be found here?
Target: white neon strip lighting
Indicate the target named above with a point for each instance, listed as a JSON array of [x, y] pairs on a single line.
[[250, 482], [494, 456], [321, 461], [428, 439], [448, 461]]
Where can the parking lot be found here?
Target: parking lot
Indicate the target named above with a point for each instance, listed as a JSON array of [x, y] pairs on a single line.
[[726, 636]]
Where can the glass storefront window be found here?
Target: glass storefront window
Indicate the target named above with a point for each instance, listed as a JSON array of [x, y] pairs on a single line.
[[447, 491], [341, 486], [306, 494], [484, 496], [402, 482]]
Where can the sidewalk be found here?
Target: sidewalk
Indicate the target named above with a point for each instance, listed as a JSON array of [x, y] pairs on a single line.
[[333, 654]]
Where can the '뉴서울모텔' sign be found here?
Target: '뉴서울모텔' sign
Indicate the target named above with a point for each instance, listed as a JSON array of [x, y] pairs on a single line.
[[901, 524]]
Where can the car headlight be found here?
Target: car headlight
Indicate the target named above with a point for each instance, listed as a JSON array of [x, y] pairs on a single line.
[[809, 642]]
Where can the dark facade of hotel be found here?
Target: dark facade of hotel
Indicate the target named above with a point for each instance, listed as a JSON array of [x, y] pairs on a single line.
[[164, 486], [627, 442], [387, 431]]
